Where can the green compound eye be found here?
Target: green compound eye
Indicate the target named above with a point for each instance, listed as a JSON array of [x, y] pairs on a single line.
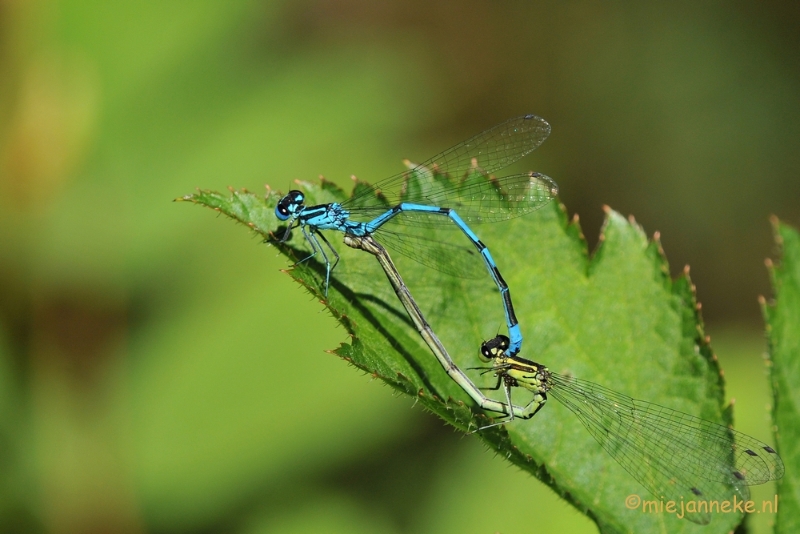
[[494, 347]]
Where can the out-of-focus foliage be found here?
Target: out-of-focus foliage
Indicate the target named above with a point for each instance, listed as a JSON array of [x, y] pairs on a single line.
[[149, 355], [783, 327]]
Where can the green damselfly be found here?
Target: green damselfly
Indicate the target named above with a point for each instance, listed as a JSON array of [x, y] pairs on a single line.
[[676, 456]]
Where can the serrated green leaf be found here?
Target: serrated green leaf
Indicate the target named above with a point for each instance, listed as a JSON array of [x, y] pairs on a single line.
[[783, 331], [616, 319]]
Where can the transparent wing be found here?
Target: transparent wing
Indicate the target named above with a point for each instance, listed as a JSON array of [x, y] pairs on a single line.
[[495, 148], [670, 453], [444, 255], [476, 198], [480, 155]]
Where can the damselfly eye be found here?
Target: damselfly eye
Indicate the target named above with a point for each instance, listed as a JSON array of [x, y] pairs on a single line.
[[494, 348], [288, 204], [281, 210]]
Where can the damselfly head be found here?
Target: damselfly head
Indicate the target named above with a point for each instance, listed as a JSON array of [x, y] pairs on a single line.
[[494, 348], [289, 205]]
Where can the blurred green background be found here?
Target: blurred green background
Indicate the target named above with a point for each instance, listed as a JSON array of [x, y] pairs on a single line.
[[151, 354]]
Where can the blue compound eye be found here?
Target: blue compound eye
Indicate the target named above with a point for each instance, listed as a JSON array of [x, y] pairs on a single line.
[[289, 204], [281, 211]]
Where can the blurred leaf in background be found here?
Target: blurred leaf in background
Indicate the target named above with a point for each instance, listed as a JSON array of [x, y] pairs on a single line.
[[783, 327], [144, 373]]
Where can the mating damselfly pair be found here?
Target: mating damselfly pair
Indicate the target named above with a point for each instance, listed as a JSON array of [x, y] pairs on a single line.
[[674, 455]]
